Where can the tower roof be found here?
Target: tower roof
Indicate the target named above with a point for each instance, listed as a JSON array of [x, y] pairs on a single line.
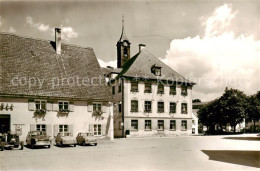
[[123, 35]]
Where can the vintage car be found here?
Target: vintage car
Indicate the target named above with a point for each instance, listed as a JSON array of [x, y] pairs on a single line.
[[10, 140], [65, 138], [86, 138], [38, 138]]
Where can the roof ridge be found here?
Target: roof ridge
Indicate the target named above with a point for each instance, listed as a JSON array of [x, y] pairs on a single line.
[[43, 40]]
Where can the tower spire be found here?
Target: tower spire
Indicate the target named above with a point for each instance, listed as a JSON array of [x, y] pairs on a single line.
[[123, 47], [123, 35], [123, 22]]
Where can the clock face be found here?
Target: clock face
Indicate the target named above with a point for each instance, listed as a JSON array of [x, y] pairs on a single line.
[[125, 44]]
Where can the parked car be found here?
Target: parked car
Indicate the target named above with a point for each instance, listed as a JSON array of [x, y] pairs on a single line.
[[65, 138], [38, 138], [10, 140], [86, 138]]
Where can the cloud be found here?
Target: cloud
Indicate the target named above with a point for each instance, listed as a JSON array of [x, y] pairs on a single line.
[[66, 32], [11, 30], [220, 21], [40, 26], [219, 58], [105, 64]]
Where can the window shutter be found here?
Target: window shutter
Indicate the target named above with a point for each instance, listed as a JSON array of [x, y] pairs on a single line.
[[31, 105], [90, 107], [55, 130], [55, 106], [91, 128], [104, 109], [33, 127], [71, 107], [49, 129], [103, 129], [49, 106], [71, 128]]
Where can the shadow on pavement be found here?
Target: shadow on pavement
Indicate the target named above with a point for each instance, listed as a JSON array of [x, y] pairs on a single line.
[[243, 138], [246, 158]]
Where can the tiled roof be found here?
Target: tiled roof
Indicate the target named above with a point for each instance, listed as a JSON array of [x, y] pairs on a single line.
[[28, 58], [140, 66], [107, 71]]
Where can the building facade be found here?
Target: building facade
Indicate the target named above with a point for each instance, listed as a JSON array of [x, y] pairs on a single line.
[[151, 98], [51, 86]]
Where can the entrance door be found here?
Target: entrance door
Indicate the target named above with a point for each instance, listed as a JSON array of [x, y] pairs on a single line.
[[193, 130], [5, 123]]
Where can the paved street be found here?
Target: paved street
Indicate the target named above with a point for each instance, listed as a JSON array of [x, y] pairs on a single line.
[[167, 153]]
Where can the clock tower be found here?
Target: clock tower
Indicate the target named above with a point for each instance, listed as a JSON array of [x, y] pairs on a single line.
[[123, 48]]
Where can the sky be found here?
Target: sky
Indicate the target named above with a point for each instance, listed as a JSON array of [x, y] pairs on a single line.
[[213, 43]]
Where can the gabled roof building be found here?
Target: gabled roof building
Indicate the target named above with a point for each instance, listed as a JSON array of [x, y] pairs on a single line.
[[51, 86], [153, 98]]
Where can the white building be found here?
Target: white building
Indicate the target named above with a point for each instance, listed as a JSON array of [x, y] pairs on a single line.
[[51, 86], [152, 98]]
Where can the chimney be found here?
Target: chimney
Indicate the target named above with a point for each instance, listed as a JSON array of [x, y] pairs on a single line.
[[141, 47], [58, 40]]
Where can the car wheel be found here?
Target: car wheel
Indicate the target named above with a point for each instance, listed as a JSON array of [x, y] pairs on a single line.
[[49, 146], [75, 145], [22, 144], [83, 143], [95, 144]]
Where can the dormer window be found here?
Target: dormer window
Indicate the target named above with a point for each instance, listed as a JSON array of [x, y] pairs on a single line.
[[156, 70]]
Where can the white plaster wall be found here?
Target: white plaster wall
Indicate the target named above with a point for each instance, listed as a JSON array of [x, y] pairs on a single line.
[[154, 97], [80, 118]]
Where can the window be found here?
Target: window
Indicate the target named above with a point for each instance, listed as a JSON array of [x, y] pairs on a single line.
[[119, 87], [134, 87], [160, 107], [97, 107], [125, 52], [173, 90], [160, 89], [134, 124], [193, 122], [183, 125], [184, 91], [184, 108], [160, 124], [172, 107], [148, 125], [97, 129], [41, 127], [63, 128], [147, 106], [156, 70], [40, 104], [147, 88], [172, 125], [63, 106], [120, 108], [134, 106], [113, 90]]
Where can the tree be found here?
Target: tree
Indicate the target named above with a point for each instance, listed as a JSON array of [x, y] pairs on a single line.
[[208, 115], [253, 110], [234, 106]]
